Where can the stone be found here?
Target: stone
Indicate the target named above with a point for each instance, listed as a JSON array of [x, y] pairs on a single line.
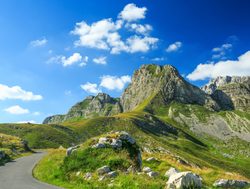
[[125, 136], [103, 170], [111, 174], [102, 140], [224, 183], [70, 150], [151, 159], [116, 143], [171, 171], [99, 145], [152, 174], [88, 176], [146, 169], [184, 180]]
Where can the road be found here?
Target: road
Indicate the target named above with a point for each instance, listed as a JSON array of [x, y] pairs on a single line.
[[18, 174]]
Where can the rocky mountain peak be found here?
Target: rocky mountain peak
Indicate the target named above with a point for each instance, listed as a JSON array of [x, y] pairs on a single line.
[[100, 105], [162, 84], [230, 92]]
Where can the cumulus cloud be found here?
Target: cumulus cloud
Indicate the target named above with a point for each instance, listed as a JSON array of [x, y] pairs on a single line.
[[100, 60], [220, 52], [174, 47], [239, 67], [139, 28], [16, 92], [104, 34], [16, 110], [39, 42], [75, 58], [114, 82], [132, 13], [91, 88]]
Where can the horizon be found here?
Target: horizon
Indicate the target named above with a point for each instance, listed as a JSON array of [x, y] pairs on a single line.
[[54, 54]]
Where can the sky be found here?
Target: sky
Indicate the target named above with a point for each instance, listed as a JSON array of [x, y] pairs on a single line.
[[55, 53]]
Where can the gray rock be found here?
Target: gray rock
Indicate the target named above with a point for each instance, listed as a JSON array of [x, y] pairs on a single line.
[[184, 180], [152, 174], [99, 145], [116, 143], [224, 183], [146, 169], [70, 150], [111, 174], [171, 171], [103, 170], [125, 136], [88, 176], [151, 159], [102, 140]]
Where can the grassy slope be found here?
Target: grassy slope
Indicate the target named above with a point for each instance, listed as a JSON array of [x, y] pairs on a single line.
[[13, 147], [41, 136]]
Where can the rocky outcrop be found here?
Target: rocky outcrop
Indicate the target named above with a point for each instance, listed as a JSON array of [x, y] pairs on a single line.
[[159, 85], [224, 183], [230, 92], [92, 106], [184, 180]]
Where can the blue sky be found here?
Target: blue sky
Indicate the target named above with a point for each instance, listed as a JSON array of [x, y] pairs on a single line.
[[55, 53]]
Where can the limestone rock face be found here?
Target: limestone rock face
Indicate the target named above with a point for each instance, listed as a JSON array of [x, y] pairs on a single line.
[[92, 106], [230, 92], [184, 180], [161, 85], [224, 183]]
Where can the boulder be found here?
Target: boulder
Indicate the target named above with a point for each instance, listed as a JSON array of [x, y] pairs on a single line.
[[103, 170], [111, 174], [152, 174], [116, 143], [146, 169], [70, 150], [224, 183], [171, 171], [151, 159], [88, 176], [184, 180], [99, 145]]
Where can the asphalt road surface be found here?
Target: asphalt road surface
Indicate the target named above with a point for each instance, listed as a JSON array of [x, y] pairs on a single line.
[[18, 174]]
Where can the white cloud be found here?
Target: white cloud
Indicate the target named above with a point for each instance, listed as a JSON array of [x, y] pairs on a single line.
[[138, 44], [91, 88], [39, 42], [139, 28], [96, 34], [30, 121], [104, 34], [16, 110], [132, 13], [75, 58], [114, 82], [158, 59], [174, 47], [220, 52], [100, 60], [36, 113], [239, 67], [16, 92]]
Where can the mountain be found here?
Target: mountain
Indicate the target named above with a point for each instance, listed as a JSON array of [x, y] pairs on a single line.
[[92, 106], [230, 92], [160, 85], [153, 84]]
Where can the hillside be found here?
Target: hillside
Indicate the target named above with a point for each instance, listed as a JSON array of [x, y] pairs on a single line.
[[180, 124]]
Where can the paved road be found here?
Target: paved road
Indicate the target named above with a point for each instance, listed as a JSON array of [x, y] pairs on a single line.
[[18, 174]]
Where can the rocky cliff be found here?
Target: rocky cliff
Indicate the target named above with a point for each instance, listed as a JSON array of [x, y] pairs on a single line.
[[92, 106], [230, 92], [160, 85]]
